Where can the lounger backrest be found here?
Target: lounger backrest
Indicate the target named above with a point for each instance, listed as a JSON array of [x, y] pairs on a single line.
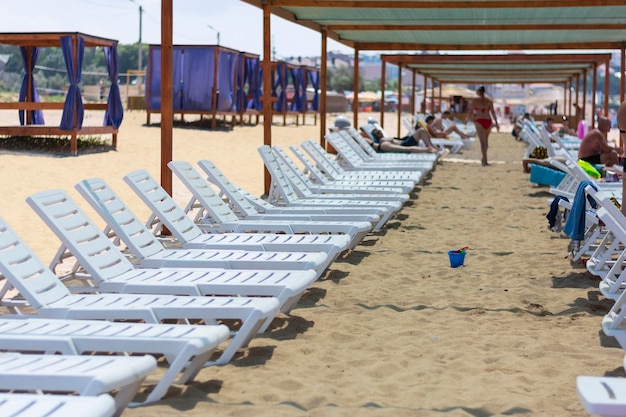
[[309, 165], [92, 248], [124, 223], [216, 209], [215, 176], [235, 198], [362, 142], [289, 166], [21, 267], [321, 158], [343, 149], [281, 188], [104, 200], [349, 139]]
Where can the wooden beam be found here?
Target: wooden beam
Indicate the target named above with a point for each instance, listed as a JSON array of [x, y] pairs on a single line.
[[482, 5], [411, 46], [355, 90], [366, 27]]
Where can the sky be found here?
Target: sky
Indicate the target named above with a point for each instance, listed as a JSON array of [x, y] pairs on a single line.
[[196, 22]]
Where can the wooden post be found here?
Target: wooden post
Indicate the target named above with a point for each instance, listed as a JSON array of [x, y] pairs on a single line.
[[355, 90], [594, 89], [166, 93], [322, 81], [399, 98], [607, 82], [383, 85], [267, 91]]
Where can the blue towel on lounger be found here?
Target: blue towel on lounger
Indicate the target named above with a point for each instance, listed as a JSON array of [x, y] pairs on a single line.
[[552, 215], [575, 224]]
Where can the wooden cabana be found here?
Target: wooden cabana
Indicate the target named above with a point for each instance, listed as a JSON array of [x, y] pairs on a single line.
[[30, 109], [211, 80]]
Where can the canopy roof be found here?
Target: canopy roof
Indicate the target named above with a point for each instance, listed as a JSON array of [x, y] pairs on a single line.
[[485, 69], [50, 39], [461, 25]]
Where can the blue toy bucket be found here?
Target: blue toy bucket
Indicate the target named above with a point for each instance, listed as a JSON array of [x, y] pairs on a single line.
[[456, 258]]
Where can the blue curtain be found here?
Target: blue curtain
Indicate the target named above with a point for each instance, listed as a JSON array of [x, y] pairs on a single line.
[[197, 74], [279, 82], [115, 110], [255, 77], [154, 78], [36, 116], [298, 86], [73, 100], [314, 76], [240, 91], [178, 83], [227, 64]]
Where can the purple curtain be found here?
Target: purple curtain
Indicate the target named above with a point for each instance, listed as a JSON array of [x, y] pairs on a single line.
[[115, 110], [240, 91], [314, 76], [279, 82], [36, 116], [297, 75], [154, 76], [226, 66], [178, 83], [197, 73], [73, 100], [254, 76], [153, 73]]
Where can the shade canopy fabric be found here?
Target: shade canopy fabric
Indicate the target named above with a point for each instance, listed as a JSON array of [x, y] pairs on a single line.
[[471, 25], [461, 25]]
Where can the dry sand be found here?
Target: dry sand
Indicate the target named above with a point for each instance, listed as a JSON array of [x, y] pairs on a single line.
[[391, 329]]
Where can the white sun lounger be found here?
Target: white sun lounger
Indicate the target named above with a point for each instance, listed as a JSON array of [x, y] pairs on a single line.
[[66, 220], [353, 191], [36, 405], [45, 293], [216, 216], [247, 205], [319, 177], [69, 374], [283, 191], [190, 236], [350, 160], [331, 167], [186, 348], [306, 188], [602, 396], [287, 286]]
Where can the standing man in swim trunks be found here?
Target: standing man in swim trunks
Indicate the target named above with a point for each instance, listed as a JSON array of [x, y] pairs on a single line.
[[481, 111], [594, 147]]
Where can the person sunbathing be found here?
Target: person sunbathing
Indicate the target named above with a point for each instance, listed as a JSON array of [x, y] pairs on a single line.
[[387, 144], [406, 142], [435, 128], [594, 147]]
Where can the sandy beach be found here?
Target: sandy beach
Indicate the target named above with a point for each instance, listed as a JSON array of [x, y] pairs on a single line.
[[390, 329]]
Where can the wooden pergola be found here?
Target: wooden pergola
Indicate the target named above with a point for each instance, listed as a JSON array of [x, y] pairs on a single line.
[[50, 40], [559, 68], [414, 25]]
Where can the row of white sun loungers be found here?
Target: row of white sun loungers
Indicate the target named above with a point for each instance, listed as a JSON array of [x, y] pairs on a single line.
[[230, 257], [598, 232]]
